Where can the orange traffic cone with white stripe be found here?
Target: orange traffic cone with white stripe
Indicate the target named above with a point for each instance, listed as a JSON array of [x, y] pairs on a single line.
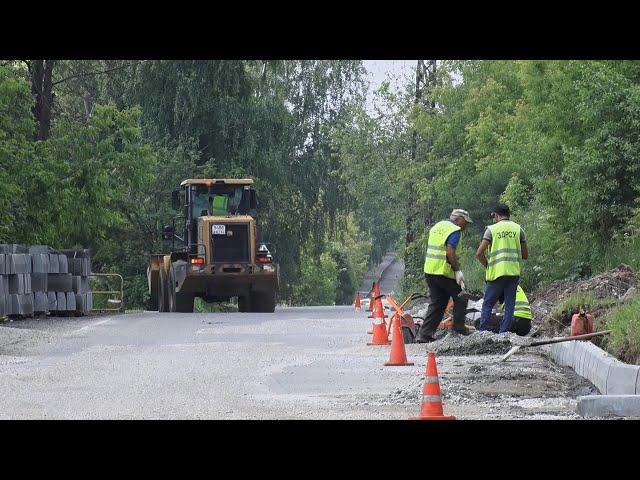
[[372, 295], [357, 303], [431, 408], [380, 334], [398, 355], [377, 305]]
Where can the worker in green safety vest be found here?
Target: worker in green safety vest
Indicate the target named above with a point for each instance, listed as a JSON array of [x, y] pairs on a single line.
[[443, 275], [219, 205], [503, 245], [522, 315]]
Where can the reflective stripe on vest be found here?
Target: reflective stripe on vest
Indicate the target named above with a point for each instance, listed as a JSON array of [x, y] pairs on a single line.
[[523, 309], [503, 255], [435, 262]]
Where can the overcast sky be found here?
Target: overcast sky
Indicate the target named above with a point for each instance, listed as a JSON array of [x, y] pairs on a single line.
[[396, 70], [378, 69]]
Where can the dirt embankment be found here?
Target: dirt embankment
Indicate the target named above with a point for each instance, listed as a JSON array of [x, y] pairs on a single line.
[[603, 292]]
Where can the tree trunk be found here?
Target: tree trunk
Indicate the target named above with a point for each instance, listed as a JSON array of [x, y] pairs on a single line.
[[41, 88]]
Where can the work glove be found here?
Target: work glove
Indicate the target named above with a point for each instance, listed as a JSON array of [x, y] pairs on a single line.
[[459, 277]]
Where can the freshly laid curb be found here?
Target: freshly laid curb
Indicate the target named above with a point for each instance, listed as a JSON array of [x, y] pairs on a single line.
[[609, 405], [618, 382]]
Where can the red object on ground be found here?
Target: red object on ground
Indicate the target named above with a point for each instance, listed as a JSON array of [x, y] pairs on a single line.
[[581, 324], [398, 355], [431, 408], [447, 321], [357, 305]]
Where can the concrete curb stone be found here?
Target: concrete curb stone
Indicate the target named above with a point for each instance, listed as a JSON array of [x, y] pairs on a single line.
[[609, 405], [622, 379]]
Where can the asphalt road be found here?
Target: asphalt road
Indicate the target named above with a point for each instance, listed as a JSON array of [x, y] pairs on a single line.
[[297, 363]]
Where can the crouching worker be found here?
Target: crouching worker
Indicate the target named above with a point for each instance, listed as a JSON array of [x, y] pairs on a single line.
[[522, 316]]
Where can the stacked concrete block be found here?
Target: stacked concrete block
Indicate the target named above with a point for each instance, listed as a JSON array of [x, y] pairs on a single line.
[[79, 265], [3, 297], [40, 302], [84, 302], [52, 301], [60, 282], [71, 301], [54, 264], [39, 279]]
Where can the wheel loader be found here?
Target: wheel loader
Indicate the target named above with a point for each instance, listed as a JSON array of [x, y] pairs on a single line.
[[220, 253]]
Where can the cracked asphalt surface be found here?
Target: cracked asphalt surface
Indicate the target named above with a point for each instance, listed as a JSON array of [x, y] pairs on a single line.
[[298, 363]]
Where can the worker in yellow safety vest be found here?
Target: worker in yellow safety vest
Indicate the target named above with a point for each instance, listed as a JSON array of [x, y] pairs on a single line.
[[503, 245], [522, 315], [443, 275]]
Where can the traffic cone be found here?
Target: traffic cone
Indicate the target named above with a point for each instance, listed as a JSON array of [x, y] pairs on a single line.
[[378, 310], [357, 304], [431, 408], [398, 356], [380, 334], [377, 305], [372, 295]]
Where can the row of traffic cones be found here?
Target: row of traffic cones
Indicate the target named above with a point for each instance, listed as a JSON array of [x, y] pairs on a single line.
[[431, 406]]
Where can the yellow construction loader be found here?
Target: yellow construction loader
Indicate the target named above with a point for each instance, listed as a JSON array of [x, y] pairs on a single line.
[[220, 252]]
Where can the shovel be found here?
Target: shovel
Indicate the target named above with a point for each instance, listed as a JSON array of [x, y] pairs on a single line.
[[554, 340], [464, 295]]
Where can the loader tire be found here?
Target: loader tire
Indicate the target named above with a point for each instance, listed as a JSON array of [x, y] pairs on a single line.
[[162, 291], [171, 290], [154, 302], [263, 302], [243, 303], [184, 302]]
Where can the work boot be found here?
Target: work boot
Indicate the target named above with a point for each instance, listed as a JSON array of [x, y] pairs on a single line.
[[428, 339], [462, 331]]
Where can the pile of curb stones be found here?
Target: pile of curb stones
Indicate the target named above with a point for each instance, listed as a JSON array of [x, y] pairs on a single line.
[[39, 280]]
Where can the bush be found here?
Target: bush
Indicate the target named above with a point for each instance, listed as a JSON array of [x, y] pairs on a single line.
[[624, 340], [318, 280]]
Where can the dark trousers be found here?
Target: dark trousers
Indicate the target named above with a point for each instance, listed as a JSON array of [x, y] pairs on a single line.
[[501, 287], [441, 289], [520, 326]]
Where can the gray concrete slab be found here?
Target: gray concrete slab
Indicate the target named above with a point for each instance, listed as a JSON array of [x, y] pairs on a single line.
[[609, 406], [80, 284], [39, 282], [14, 306], [43, 249], [54, 263], [71, 302], [18, 263], [27, 304], [60, 282], [622, 379], [52, 299], [12, 248], [40, 302], [61, 301], [39, 263], [63, 263], [18, 284]]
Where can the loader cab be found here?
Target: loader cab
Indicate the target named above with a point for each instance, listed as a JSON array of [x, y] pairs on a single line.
[[219, 198]]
